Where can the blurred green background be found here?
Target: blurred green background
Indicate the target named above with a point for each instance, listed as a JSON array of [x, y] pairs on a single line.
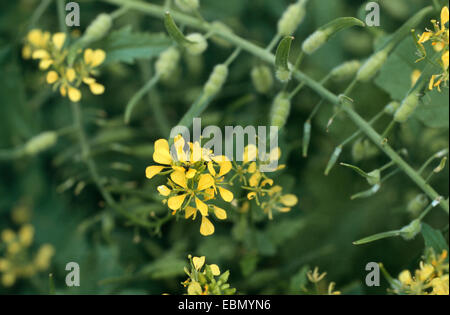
[[264, 257]]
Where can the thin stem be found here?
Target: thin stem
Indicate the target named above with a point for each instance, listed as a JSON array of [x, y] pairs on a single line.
[[359, 132], [61, 15], [119, 12], [39, 12], [274, 41]]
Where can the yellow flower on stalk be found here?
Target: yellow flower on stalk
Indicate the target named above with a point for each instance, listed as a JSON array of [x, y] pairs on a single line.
[[93, 59]]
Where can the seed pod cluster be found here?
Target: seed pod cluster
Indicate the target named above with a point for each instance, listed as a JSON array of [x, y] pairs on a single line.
[[345, 71], [407, 108], [262, 79], [99, 28], [167, 62], [216, 80], [291, 18], [281, 108], [199, 44]]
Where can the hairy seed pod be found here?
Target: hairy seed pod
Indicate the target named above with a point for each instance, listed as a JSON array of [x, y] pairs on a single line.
[[41, 142], [188, 5], [363, 150], [392, 107], [314, 42], [371, 67], [281, 108], [416, 205], [346, 71], [216, 80], [199, 46], [262, 79], [283, 75], [407, 108], [167, 62], [410, 231], [98, 28], [291, 18]]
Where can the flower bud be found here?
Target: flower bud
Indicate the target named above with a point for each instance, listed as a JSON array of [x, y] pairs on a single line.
[[346, 71], [416, 205], [98, 28], [407, 108], [410, 231], [167, 62], [280, 110], [391, 108], [371, 67], [188, 5], [283, 75], [41, 143], [291, 18], [314, 41], [199, 44], [262, 79], [216, 80]]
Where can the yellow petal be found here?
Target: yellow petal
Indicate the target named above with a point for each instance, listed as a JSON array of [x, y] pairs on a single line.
[[52, 77], [252, 168], [444, 17], [254, 179], [251, 195], [175, 203], [190, 211], [284, 209], [40, 54], [98, 57], [63, 91], [71, 74], [198, 262], [211, 169], [162, 153], [74, 94], [26, 52], [445, 60], [206, 228], [179, 148], [179, 178], [201, 206], [194, 288], [220, 213], [97, 88], [205, 181], [208, 194], [35, 37], [153, 170], [164, 190], [225, 168], [267, 181], [226, 194], [88, 55], [191, 173], [215, 269], [405, 277], [425, 37], [415, 75], [58, 40], [88, 80], [289, 200], [45, 64], [431, 84], [250, 153]]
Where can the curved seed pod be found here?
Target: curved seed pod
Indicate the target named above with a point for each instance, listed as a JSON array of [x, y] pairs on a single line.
[[262, 79], [200, 44], [323, 34], [410, 231], [346, 71], [41, 142], [98, 29], [167, 62], [282, 59], [174, 31], [187, 5], [392, 107], [371, 67], [281, 108], [407, 108], [377, 237], [216, 80], [291, 18], [333, 159]]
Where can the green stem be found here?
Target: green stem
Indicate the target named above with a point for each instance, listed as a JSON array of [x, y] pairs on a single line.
[[62, 15]]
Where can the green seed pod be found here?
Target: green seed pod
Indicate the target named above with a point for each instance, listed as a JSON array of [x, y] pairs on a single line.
[[410, 231], [407, 108], [167, 62], [291, 18], [371, 67], [392, 107], [40, 143], [374, 177], [282, 59], [188, 5], [283, 75], [363, 150], [345, 71], [199, 44], [314, 42], [416, 205], [280, 110], [333, 159], [216, 80], [99, 28], [262, 79]]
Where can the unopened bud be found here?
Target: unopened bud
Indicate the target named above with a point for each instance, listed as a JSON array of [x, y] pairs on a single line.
[[199, 44], [346, 71], [280, 110], [314, 41], [410, 231], [216, 80], [371, 67], [98, 28], [41, 142], [262, 79], [291, 18], [167, 62], [407, 108]]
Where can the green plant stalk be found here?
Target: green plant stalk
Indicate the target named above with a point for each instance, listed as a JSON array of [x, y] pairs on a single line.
[[61, 15], [158, 11]]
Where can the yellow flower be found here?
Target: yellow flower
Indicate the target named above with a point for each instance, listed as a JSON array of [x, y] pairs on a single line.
[[94, 58], [415, 75]]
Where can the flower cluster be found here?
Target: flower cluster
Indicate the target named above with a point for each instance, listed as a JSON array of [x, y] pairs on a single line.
[[203, 279], [196, 177], [439, 37], [316, 278], [430, 279], [16, 261], [53, 54]]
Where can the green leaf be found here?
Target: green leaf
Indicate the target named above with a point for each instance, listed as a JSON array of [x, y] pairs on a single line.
[[124, 45], [434, 239]]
